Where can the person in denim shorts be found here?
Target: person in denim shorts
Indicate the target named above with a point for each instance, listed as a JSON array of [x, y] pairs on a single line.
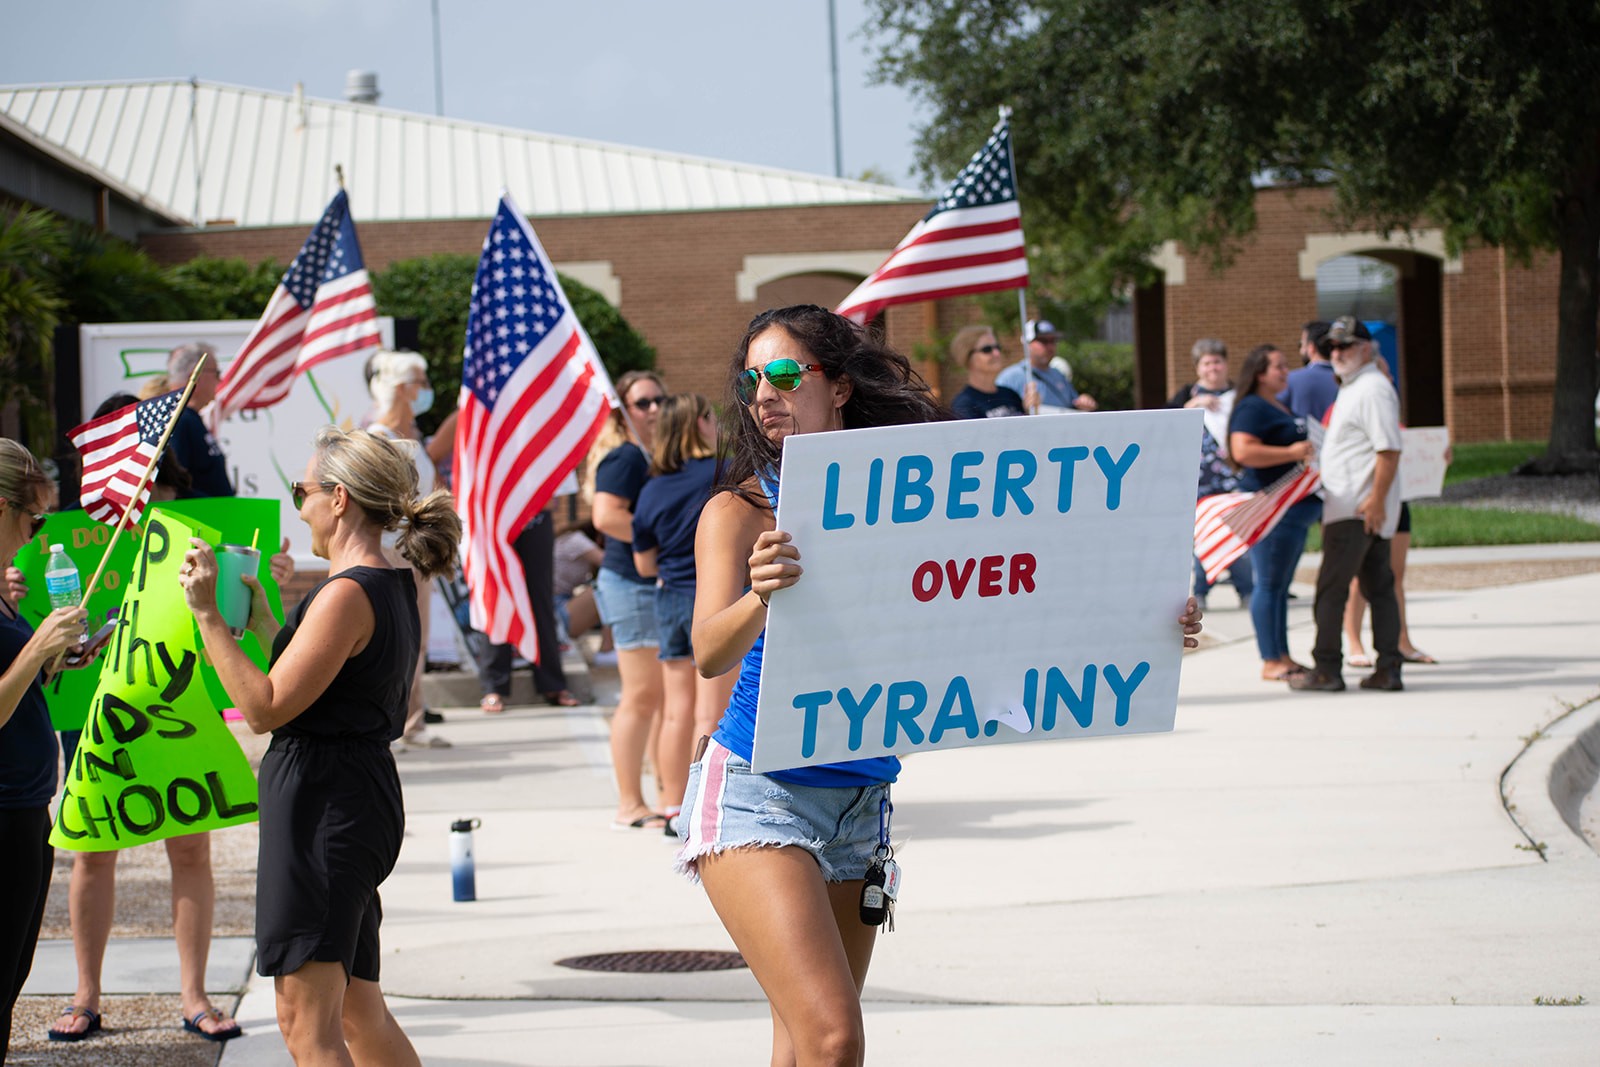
[[792, 843], [627, 600], [683, 466]]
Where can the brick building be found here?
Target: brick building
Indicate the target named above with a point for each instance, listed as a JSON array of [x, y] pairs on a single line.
[[689, 249]]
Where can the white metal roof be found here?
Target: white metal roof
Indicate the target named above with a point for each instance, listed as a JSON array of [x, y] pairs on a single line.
[[209, 152]]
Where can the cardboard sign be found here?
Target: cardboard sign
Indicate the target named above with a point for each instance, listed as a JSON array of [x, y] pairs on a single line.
[[155, 760], [70, 693], [979, 582], [1423, 452]]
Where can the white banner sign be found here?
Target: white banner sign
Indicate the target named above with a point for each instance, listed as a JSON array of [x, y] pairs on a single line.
[[979, 582], [266, 449], [1422, 461]]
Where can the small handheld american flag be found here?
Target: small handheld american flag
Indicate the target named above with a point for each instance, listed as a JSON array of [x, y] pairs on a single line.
[[117, 449]]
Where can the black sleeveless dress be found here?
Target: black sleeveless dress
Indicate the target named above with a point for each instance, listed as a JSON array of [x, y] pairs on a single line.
[[331, 812]]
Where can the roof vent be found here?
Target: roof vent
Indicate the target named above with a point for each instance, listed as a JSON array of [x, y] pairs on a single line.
[[361, 86]]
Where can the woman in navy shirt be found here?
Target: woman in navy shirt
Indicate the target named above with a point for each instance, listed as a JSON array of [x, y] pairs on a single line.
[[28, 752], [683, 467], [1266, 441]]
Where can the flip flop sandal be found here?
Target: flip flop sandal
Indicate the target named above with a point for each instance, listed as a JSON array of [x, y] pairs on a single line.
[[562, 699], [652, 821], [69, 1035], [227, 1033], [1416, 655], [492, 704], [1359, 659]]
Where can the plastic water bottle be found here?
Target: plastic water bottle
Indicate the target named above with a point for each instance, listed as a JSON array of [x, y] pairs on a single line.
[[463, 873], [61, 581]]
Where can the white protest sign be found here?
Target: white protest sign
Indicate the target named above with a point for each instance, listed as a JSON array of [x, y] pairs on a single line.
[[979, 582], [1422, 461], [266, 449]]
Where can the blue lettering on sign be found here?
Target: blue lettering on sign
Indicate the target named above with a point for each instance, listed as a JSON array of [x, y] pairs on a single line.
[[1016, 472], [902, 705]]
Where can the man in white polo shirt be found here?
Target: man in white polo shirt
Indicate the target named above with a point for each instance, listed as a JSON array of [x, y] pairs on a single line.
[[1360, 509]]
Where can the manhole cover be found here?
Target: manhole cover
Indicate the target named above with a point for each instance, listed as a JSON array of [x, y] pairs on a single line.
[[656, 961]]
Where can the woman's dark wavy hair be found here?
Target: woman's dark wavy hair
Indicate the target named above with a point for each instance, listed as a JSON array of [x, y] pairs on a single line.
[[1255, 365], [885, 391]]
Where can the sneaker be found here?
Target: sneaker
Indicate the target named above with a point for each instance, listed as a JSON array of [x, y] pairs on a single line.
[[1317, 681], [424, 739], [1383, 678]]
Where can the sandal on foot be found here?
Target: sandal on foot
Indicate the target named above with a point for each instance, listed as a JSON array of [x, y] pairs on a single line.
[[652, 821], [1416, 655], [492, 704], [77, 1035], [221, 1033], [561, 698], [1358, 659]]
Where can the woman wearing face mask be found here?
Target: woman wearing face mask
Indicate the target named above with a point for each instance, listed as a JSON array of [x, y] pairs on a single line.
[[400, 391], [783, 855]]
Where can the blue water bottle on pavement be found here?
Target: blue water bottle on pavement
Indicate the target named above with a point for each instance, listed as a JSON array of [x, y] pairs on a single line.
[[463, 874]]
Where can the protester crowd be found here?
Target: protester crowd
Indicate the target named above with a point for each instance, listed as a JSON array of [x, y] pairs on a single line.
[[673, 577]]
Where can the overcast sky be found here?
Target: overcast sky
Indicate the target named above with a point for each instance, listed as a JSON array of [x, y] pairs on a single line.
[[741, 80]]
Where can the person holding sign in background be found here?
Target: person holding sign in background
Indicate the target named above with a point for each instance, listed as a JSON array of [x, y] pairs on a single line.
[[28, 751], [332, 817], [784, 857], [1265, 441]]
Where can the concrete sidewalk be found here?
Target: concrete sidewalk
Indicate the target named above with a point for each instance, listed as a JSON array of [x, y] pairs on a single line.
[[1286, 878]]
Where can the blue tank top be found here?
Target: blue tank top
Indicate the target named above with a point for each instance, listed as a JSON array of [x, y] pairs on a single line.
[[737, 730]]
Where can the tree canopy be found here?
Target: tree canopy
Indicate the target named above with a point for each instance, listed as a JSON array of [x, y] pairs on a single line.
[[1141, 122]]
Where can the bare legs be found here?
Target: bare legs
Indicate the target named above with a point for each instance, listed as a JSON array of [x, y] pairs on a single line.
[[677, 731], [325, 1022], [1355, 609], [92, 905], [805, 944], [631, 727]]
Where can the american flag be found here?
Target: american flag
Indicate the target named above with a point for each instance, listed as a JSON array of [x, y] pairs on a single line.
[[971, 242], [1227, 524], [322, 308], [533, 398], [116, 449]]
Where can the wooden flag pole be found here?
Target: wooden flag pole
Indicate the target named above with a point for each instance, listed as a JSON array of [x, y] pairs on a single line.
[[149, 472]]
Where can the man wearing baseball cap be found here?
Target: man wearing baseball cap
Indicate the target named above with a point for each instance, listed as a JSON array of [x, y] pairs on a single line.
[[1056, 392], [1360, 510]]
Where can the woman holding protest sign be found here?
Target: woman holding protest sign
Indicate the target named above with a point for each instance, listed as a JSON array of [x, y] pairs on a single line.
[[28, 751], [336, 695], [785, 856]]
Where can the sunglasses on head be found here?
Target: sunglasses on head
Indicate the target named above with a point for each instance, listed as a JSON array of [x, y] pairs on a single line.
[[784, 374], [648, 402], [298, 491]]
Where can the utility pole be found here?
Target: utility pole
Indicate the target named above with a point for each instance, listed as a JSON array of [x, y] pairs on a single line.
[[833, 56], [438, 65]]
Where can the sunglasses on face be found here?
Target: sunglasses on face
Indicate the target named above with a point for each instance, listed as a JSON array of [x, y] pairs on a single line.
[[986, 349], [784, 374], [648, 402], [298, 491]]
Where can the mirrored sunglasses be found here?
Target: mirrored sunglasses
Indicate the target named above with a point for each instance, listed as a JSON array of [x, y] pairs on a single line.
[[784, 374]]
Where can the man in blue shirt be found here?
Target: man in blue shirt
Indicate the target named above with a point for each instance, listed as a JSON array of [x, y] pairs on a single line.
[[1056, 392], [1312, 389]]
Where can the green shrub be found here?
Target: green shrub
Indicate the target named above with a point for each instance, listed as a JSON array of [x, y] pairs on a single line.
[[212, 288], [1103, 370]]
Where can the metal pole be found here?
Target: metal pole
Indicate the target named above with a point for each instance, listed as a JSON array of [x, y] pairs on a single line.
[[833, 60], [1022, 294], [438, 65], [194, 145]]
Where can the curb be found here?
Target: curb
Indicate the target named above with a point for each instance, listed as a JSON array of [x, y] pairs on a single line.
[[1544, 787]]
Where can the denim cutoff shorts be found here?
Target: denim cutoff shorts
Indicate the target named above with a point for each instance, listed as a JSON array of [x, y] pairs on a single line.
[[727, 805], [629, 608], [674, 619]]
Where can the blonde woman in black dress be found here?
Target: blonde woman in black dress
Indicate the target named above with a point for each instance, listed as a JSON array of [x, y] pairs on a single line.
[[335, 696]]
